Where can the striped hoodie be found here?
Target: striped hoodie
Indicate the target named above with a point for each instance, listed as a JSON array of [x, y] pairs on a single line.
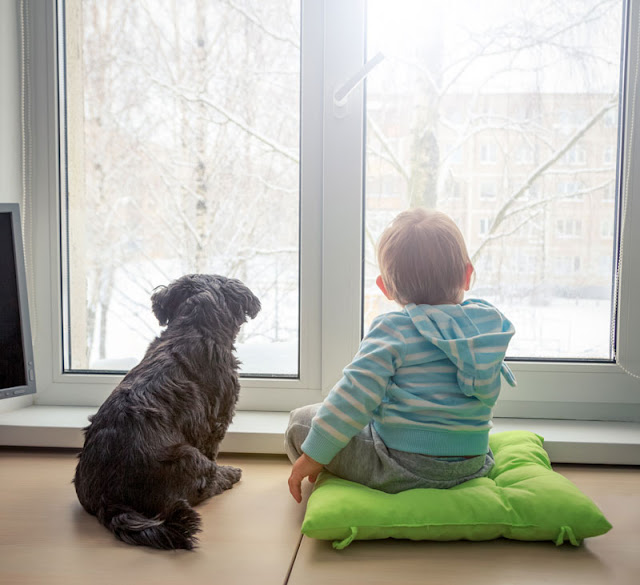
[[427, 377]]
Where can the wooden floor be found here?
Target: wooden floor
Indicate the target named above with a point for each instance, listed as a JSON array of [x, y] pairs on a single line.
[[251, 536]]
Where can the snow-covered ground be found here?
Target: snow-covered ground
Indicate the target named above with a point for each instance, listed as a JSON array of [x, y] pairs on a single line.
[[565, 328]]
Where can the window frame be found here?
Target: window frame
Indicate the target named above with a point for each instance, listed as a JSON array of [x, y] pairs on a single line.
[[331, 245], [56, 387]]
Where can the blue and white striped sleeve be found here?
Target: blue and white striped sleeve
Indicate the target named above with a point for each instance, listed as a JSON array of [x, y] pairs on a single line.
[[350, 404]]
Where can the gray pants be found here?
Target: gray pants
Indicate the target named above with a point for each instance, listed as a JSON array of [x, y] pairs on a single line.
[[367, 460]]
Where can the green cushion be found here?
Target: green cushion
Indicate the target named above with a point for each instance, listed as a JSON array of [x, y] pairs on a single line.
[[522, 499]]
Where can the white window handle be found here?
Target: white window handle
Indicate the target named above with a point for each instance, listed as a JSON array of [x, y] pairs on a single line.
[[341, 95]]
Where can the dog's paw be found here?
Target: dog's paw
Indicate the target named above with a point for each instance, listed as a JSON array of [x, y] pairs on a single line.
[[229, 475]]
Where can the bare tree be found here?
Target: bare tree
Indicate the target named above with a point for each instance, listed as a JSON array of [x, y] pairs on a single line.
[[436, 101], [191, 134]]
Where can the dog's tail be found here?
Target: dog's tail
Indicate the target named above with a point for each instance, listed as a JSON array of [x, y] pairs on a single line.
[[173, 530]]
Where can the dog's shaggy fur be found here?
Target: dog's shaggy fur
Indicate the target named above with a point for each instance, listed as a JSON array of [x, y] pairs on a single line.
[[150, 450]]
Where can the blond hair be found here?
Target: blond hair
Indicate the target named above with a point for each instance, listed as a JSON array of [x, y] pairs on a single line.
[[423, 258]]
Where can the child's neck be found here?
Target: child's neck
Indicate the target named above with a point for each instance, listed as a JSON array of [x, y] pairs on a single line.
[[459, 299]]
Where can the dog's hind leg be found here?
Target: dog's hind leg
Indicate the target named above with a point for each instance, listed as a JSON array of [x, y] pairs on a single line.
[[226, 476], [217, 479], [199, 478]]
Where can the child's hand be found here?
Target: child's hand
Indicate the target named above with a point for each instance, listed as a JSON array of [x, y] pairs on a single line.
[[303, 467]]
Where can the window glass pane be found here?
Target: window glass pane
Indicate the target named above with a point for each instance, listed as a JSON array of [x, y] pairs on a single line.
[[182, 147], [504, 114]]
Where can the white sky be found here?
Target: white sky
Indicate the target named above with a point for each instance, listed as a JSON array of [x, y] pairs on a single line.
[[582, 58]]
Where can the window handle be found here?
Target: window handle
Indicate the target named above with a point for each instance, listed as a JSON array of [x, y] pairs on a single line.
[[341, 95]]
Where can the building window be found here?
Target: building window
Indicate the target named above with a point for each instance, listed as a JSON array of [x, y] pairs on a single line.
[[454, 155], [488, 190], [576, 156], [524, 155], [609, 193], [488, 153], [610, 120], [569, 228], [606, 229], [567, 265], [608, 156], [571, 190]]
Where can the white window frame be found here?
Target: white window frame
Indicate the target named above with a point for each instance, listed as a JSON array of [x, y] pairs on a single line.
[[58, 388], [331, 241]]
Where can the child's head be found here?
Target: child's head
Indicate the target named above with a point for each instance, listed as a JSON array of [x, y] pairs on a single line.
[[423, 259]]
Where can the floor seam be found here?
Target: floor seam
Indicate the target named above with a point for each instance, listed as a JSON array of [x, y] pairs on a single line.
[[293, 560]]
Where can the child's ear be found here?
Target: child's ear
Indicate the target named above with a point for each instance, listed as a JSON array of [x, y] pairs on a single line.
[[467, 276], [382, 287]]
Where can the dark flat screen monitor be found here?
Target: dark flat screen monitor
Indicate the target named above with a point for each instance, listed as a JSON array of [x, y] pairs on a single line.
[[17, 375]]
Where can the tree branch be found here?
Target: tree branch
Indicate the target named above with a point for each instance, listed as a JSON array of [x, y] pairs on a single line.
[[235, 120], [294, 42], [494, 237], [393, 159]]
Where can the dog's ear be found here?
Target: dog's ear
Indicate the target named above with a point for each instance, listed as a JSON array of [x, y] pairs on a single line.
[[240, 300], [166, 300], [158, 304]]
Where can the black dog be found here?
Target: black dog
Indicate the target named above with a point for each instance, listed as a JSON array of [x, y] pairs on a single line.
[[149, 453]]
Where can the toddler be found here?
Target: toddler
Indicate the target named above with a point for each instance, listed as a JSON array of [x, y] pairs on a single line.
[[414, 407]]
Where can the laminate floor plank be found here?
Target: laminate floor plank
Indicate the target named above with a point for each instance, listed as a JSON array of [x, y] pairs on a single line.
[[249, 533]]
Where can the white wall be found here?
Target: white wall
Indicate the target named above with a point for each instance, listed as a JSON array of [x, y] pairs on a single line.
[[10, 140]]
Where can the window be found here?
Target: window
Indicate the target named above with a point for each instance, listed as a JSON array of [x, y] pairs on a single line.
[[488, 190], [606, 230], [567, 120], [179, 160], [604, 265], [576, 156], [484, 226], [525, 264], [610, 120], [608, 156], [569, 228], [456, 156], [609, 193], [524, 155], [488, 153], [568, 115], [530, 193], [567, 265], [571, 190], [453, 188], [391, 141]]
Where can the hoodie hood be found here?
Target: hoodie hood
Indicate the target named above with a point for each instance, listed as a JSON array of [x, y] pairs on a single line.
[[473, 335]]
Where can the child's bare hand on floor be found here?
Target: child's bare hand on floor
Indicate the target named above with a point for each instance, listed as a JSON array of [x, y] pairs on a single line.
[[303, 467]]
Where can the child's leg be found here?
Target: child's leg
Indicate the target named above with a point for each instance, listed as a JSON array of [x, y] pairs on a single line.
[[366, 459], [356, 461], [298, 429]]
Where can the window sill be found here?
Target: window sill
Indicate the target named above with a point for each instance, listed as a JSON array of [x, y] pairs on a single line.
[[566, 441]]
